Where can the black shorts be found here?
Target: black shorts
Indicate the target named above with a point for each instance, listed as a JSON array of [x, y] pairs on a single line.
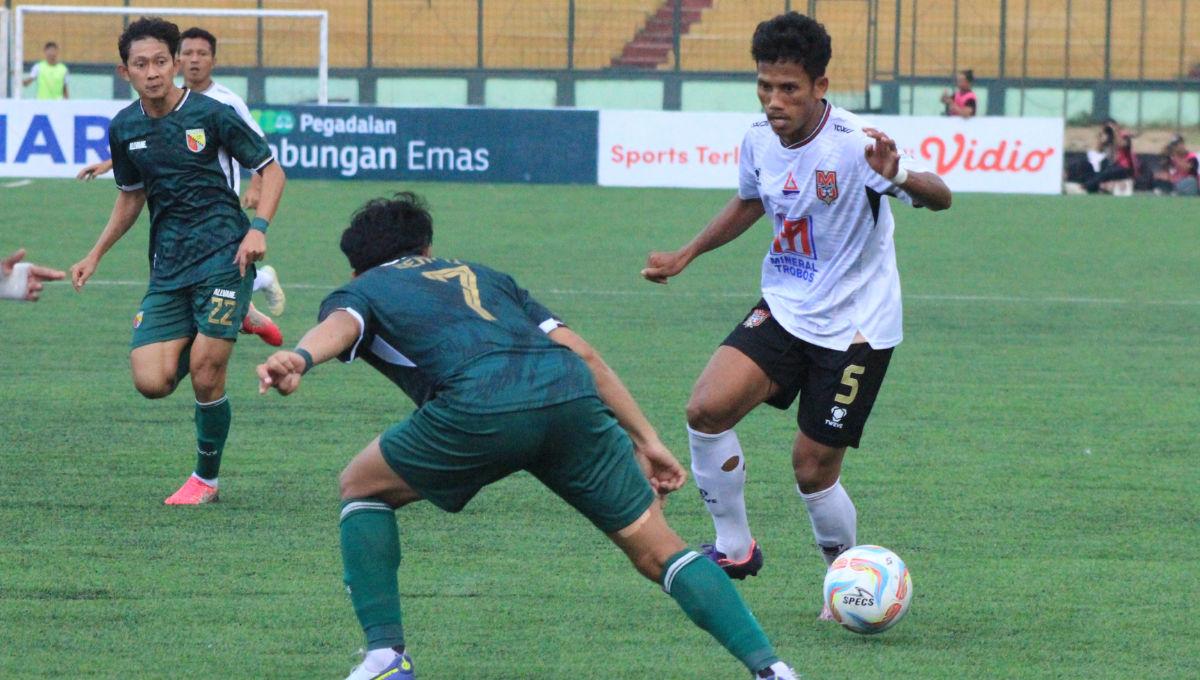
[[837, 388]]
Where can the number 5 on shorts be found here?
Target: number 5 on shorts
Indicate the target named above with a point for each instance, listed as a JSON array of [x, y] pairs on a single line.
[[850, 379]]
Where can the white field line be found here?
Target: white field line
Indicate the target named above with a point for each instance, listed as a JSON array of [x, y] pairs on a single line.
[[17, 184], [654, 290]]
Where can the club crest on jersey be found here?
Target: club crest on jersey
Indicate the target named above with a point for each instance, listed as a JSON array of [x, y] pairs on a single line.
[[137, 319], [195, 140], [756, 318], [790, 188], [827, 189]]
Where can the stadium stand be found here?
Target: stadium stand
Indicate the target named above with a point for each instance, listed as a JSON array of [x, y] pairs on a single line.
[[721, 39], [526, 34], [934, 36], [654, 42], [420, 34], [603, 29]]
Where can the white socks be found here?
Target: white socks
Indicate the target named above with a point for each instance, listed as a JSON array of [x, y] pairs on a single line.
[[834, 520], [263, 278], [720, 471], [378, 659]]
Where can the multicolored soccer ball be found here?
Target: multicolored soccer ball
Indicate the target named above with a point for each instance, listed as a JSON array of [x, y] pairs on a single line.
[[868, 589]]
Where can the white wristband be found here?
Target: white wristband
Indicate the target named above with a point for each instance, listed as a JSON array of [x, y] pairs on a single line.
[[900, 177], [16, 285]]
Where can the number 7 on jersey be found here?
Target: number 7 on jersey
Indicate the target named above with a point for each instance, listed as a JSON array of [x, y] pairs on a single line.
[[470, 289]]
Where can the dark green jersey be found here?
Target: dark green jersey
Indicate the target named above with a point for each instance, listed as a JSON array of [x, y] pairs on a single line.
[[460, 333], [196, 222]]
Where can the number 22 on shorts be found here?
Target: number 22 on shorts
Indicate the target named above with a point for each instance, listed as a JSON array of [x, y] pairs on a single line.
[[220, 305]]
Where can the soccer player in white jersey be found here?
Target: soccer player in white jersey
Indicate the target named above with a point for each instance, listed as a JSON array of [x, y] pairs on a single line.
[[198, 57], [830, 309]]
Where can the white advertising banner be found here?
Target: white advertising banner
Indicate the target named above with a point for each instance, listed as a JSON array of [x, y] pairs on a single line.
[[53, 138], [671, 148], [700, 150]]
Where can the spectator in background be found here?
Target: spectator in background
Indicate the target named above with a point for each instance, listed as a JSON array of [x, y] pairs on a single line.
[[50, 74], [22, 280], [1118, 163], [963, 101], [1179, 172]]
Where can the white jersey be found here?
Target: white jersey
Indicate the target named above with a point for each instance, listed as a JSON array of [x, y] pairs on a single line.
[[233, 171], [830, 269]]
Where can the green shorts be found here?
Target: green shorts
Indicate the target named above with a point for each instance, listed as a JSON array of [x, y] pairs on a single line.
[[214, 307], [576, 448]]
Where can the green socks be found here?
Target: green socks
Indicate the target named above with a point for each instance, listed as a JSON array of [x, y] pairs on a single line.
[[212, 427], [709, 599], [371, 556]]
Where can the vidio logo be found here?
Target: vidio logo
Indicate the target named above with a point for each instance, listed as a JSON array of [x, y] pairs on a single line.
[[274, 122]]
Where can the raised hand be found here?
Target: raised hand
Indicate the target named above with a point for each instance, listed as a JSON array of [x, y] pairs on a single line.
[[882, 156]]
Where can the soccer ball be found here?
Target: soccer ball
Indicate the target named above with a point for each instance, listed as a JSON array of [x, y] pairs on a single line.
[[868, 589]]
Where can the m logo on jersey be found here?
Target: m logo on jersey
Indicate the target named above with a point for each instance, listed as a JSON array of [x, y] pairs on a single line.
[[827, 189], [195, 140], [790, 188], [795, 237]]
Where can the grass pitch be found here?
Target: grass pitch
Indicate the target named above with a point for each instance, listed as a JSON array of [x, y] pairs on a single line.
[[1033, 456]]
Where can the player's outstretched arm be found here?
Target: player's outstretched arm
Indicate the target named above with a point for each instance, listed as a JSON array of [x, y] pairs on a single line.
[[664, 472], [282, 370], [23, 280], [124, 213], [926, 187], [735, 218], [94, 170]]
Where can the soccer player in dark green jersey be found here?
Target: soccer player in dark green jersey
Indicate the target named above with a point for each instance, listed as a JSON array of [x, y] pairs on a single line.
[[202, 246], [501, 385]]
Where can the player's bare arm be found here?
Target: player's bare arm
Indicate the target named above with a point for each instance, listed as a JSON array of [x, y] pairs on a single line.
[[254, 194], [254, 245], [94, 170], [664, 472], [735, 218], [282, 370], [125, 212], [926, 187]]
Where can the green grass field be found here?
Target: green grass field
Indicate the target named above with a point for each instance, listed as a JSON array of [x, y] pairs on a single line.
[[1033, 456]]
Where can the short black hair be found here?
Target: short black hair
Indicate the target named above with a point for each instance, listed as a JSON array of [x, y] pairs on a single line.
[[796, 38], [197, 32], [49, 45], [149, 27], [386, 229], [969, 74]]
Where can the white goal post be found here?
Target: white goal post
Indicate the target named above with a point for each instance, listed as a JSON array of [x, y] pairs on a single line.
[[18, 33]]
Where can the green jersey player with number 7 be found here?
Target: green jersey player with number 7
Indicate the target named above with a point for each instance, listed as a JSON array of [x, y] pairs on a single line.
[[203, 248], [501, 385]]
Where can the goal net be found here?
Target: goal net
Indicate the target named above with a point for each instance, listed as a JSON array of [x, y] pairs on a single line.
[[289, 43]]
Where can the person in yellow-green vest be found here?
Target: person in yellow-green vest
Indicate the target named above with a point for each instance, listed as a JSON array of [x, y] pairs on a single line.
[[50, 74]]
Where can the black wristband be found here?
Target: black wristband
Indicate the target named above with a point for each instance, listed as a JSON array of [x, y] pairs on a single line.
[[308, 360]]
